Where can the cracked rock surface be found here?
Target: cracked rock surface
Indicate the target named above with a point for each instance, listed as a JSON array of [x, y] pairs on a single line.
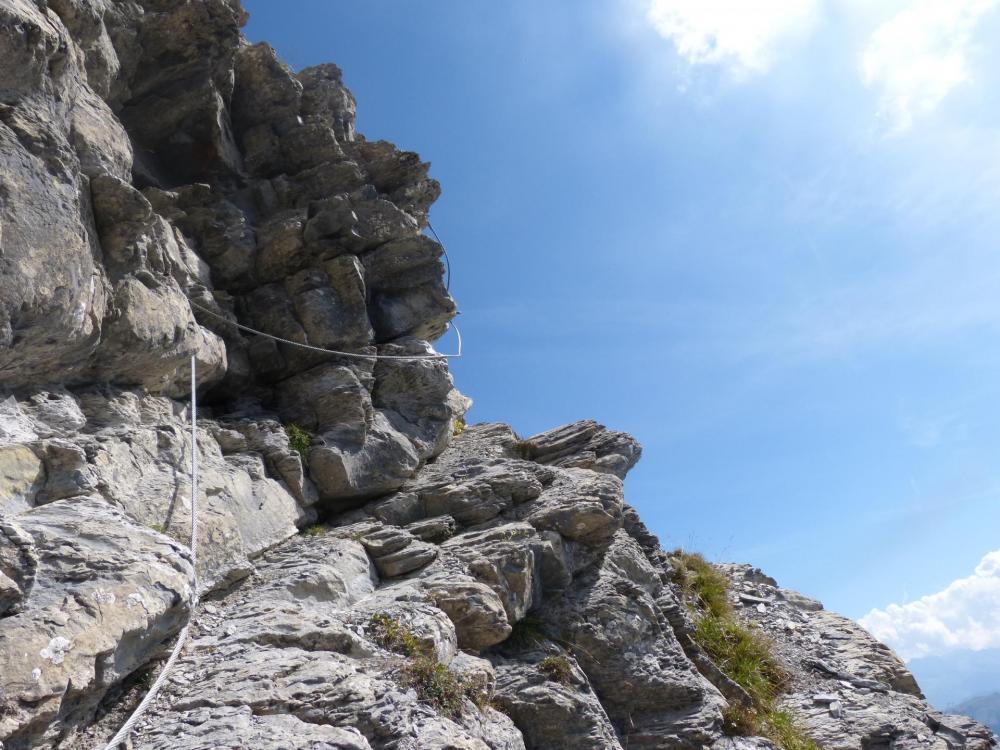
[[850, 690], [162, 179]]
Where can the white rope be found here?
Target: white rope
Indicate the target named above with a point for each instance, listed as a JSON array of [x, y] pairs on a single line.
[[143, 706], [150, 696], [126, 729], [353, 355]]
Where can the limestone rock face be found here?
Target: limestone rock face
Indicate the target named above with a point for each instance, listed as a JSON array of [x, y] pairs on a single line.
[[295, 644], [95, 596], [166, 189], [850, 690], [151, 159], [475, 543], [160, 180]]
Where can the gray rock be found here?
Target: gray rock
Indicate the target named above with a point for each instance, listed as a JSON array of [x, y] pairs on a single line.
[[612, 621], [552, 714], [22, 475], [301, 657], [585, 444], [219, 727], [436, 529], [503, 557], [163, 180], [850, 690], [413, 557], [99, 596], [385, 541], [133, 450], [474, 608]]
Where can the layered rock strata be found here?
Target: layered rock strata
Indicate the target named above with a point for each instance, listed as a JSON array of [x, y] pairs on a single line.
[[161, 179]]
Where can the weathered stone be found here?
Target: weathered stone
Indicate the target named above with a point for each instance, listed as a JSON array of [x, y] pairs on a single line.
[[385, 541], [399, 508], [502, 557], [165, 182], [304, 660], [585, 444], [413, 557], [105, 595], [408, 297], [850, 690], [476, 611], [485, 492], [221, 726], [549, 713], [325, 97], [244, 509], [436, 529], [612, 622], [18, 565], [580, 505], [22, 474]]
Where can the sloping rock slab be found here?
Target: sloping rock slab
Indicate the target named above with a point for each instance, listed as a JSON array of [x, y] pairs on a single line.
[[105, 595]]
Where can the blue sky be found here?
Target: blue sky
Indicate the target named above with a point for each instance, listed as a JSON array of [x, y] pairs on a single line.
[[761, 237]]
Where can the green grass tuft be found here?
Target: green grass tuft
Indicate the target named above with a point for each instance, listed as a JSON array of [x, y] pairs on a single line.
[[435, 684], [782, 727], [484, 700], [317, 529], [390, 634], [744, 655], [299, 440], [556, 669], [705, 588], [741, 652]]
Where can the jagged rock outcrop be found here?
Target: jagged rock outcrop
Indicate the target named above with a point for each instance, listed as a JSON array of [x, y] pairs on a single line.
[[850, 690], [161, 180], [159, 176]]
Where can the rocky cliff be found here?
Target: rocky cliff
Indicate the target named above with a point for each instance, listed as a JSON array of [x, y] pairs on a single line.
[[161, 181]]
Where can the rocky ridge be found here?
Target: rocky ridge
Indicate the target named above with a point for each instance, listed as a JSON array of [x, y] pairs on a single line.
[[160, 176]]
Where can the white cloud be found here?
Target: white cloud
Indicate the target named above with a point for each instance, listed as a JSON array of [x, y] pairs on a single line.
[[919, 55], [965, 615], [740, 34]]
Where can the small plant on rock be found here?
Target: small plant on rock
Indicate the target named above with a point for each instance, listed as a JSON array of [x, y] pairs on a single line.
[[7, 707], [787, 732], [458, 426], [556, 669], [741, 652], [484, 700], [299, 440], [317, 529], [524, 449], [390, 634], [704, 587], [435, 684]]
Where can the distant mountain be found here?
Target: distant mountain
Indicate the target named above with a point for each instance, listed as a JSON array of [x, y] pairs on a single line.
[[951, 678], [984, 709]]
